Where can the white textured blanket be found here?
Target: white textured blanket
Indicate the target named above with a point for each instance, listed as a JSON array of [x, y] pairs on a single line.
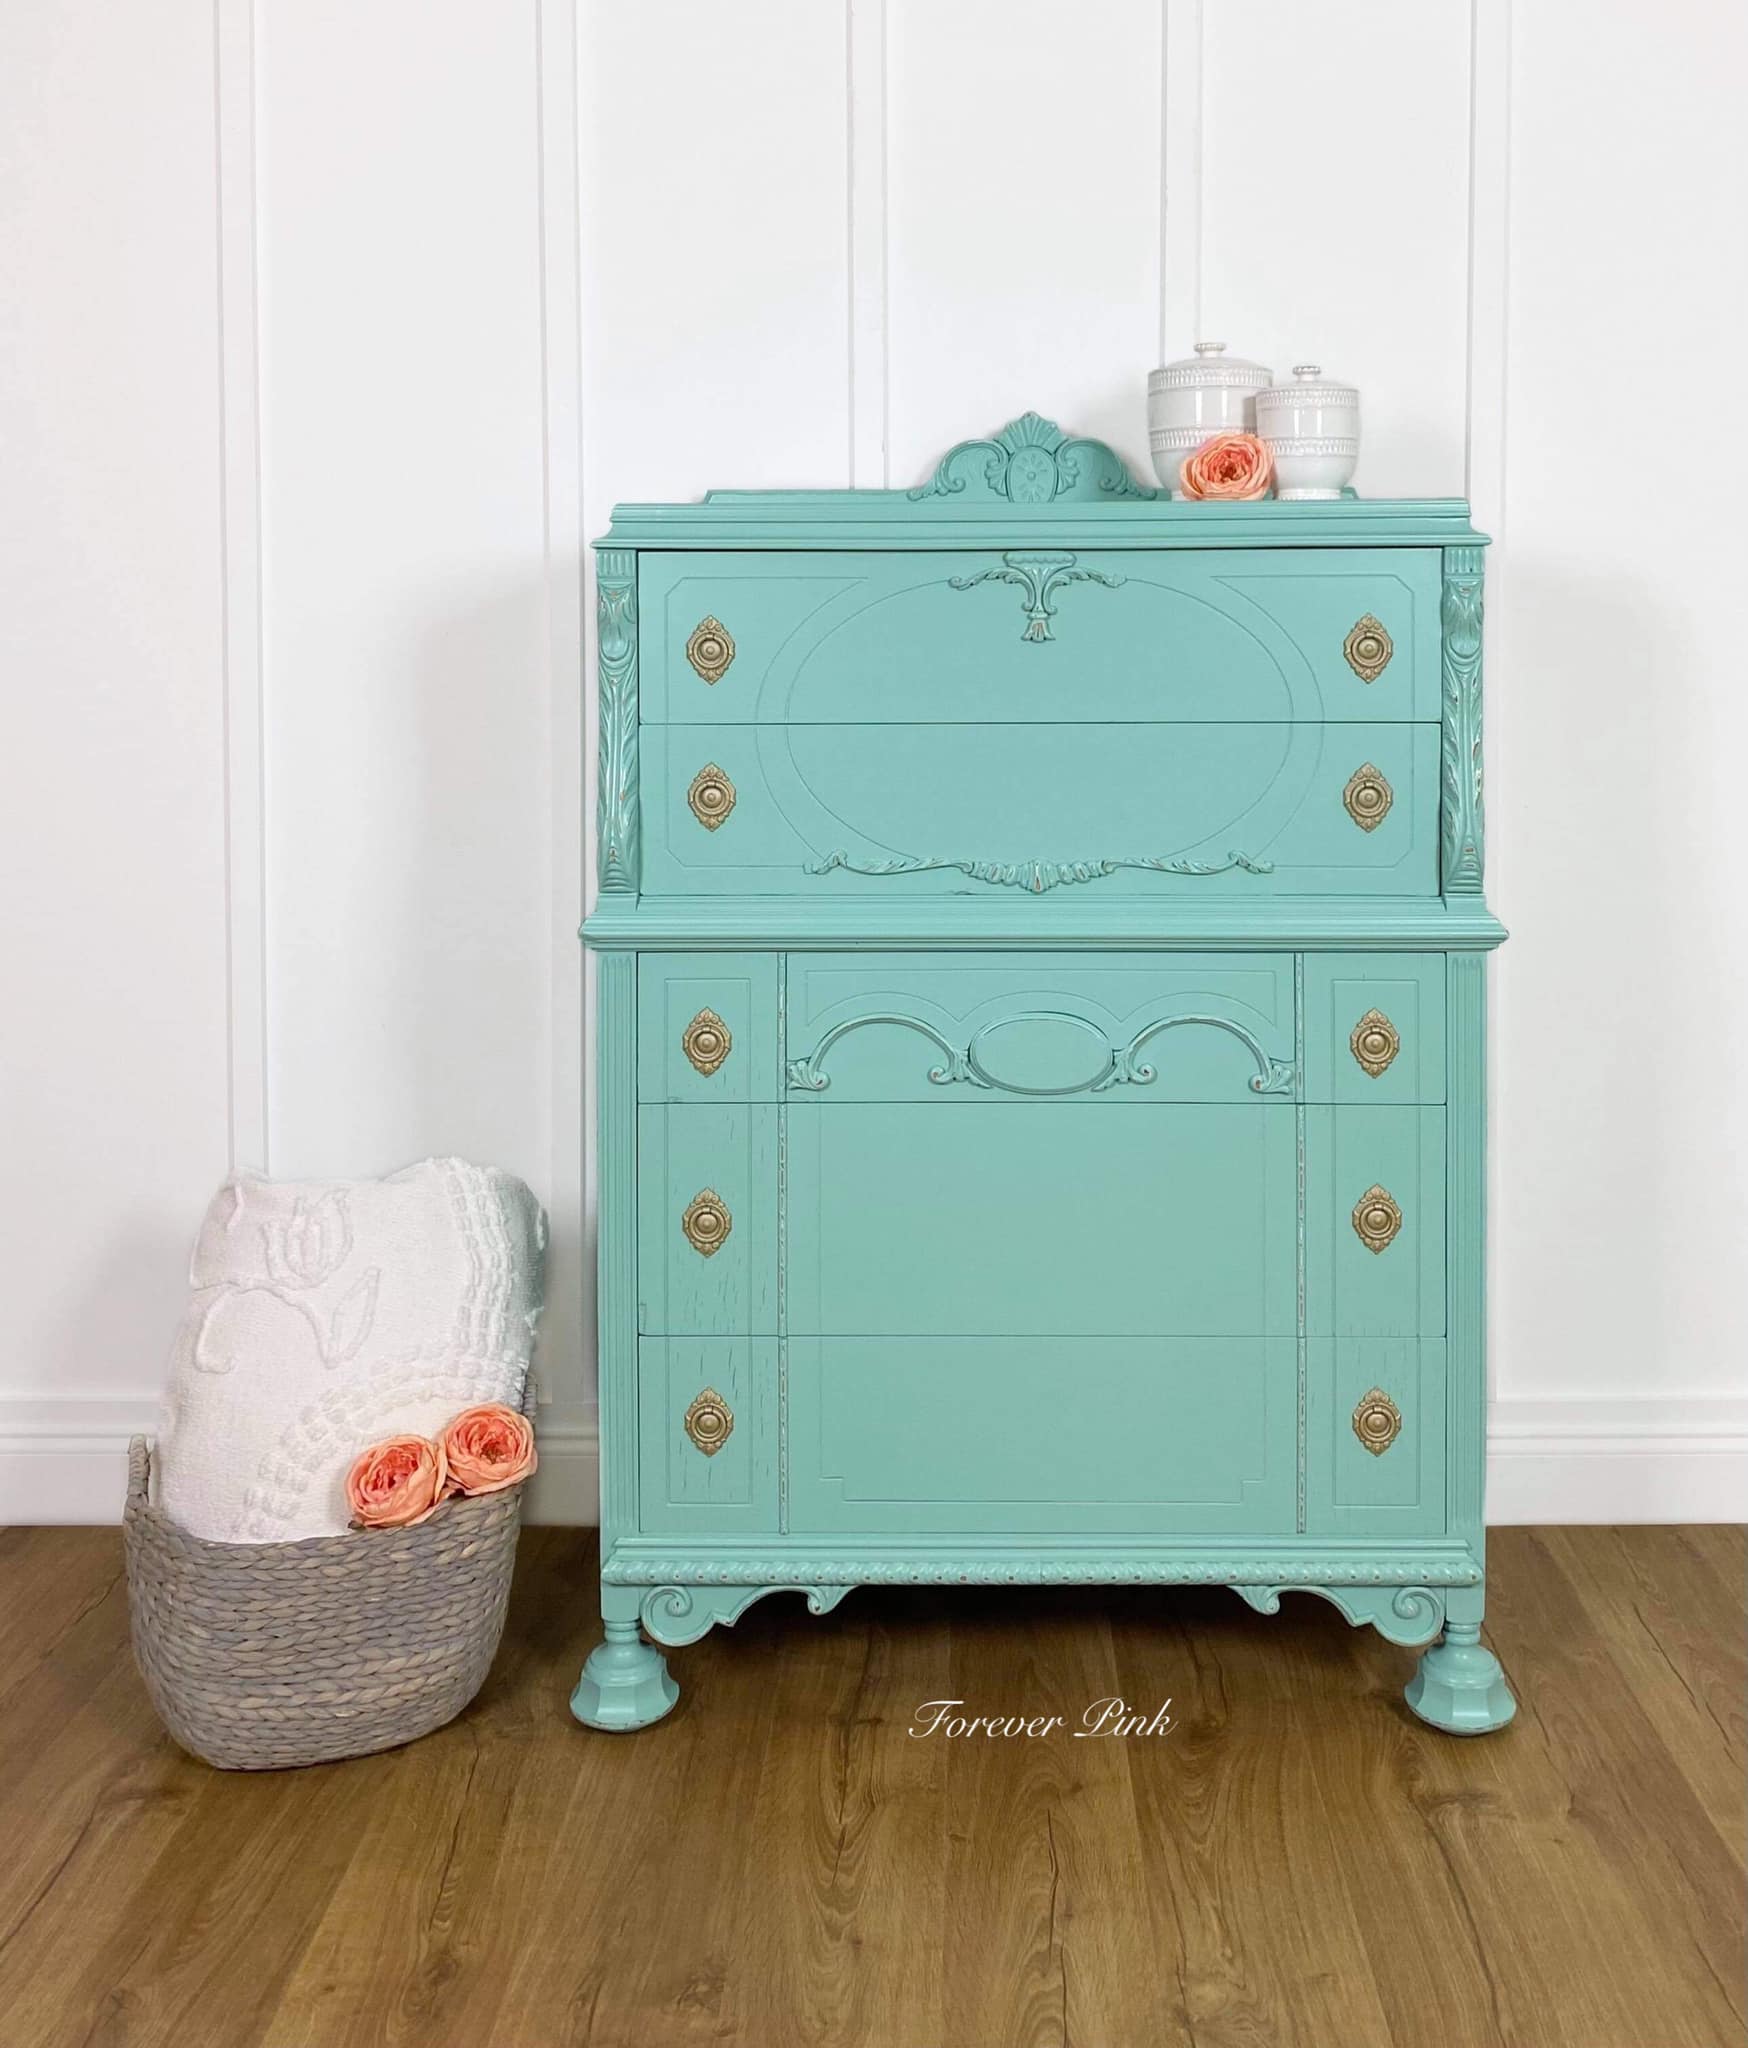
[[327, 1315]]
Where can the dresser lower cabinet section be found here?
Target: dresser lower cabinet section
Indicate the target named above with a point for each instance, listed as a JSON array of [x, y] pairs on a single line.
[[1042, 1265]]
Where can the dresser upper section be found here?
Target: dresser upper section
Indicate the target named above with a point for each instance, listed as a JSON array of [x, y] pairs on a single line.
[[1031, 677]]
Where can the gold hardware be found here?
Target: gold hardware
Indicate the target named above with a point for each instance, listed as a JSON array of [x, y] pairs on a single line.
[[1368, 649], [1376, 1218], [706, 1223], [1375, 1042], [1377, 1421], [1367, 797], [709, 1422], [712, 797], [707, 1042], [711, 649]]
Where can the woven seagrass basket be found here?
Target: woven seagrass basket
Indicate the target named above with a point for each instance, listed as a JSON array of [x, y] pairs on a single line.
[[259, 1656]]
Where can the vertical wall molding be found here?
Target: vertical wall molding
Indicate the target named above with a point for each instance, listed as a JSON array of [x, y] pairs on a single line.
[[245, 852], [1485, 454], [866, 130], [570, 1287], [1180, 197]]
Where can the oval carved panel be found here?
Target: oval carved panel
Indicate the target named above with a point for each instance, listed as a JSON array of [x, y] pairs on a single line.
[[1046, 1046]]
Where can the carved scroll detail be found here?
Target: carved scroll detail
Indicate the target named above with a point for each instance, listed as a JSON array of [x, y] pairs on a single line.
[[1464, 826], [617, 825], [1121, 1066], [1036, 877]]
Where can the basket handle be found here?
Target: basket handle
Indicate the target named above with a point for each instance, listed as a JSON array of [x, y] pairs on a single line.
[[139, 1471]]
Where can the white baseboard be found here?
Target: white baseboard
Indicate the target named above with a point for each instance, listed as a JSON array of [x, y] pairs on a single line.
[[1649, 1458], [1641, 1458]]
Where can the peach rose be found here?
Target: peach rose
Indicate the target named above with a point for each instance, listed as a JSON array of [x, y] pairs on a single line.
[[1229, 466], [397, 1483], [489, 1448]]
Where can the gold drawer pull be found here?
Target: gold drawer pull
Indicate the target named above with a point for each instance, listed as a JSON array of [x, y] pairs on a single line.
[[709, 1422], [711, 796], [1367, 797], [707, 1042], [1377, 1421], [711, 649], [1368, 649], [706, 1223], [1375, 1042], [1376, 1218]]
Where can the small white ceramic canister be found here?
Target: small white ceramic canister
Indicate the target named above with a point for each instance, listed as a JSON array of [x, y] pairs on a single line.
[[1190, 401], [1312, 427]]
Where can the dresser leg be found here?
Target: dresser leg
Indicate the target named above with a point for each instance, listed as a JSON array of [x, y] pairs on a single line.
[[625, 1683], [1458, 1685]]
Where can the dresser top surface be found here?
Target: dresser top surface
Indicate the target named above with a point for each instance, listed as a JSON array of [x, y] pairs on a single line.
[[1034, 484]]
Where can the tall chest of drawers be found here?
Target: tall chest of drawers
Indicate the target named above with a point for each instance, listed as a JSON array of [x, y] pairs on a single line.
[[1041, 1071]]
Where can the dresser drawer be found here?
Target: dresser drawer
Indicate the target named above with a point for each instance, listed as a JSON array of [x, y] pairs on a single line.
[[1041, 1219], [707, 1220], [1126, 636], [892, 812], [1375, 1027], [1374, 1222], [1119, 1030], [1153, 1436], [707, 1435], [1375, 1436], [707, 1027]]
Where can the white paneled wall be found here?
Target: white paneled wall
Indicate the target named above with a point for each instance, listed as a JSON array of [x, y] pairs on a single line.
[[316, 382], [113, 1030]]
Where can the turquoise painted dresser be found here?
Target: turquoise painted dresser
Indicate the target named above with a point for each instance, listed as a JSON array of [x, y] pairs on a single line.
[[1041, 1113]]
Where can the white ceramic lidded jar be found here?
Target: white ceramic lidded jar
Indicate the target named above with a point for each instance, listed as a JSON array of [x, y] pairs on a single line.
[[1312, 427], [1190, 401]]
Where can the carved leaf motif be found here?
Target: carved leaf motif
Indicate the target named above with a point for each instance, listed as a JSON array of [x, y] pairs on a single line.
[[1460, 754], [617, 826], [1036, 876]]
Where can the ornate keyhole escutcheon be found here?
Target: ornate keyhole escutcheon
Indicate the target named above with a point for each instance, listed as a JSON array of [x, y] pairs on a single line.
[[707, 1042], [1376, 1218], [1377, 1421], [711, 649], [709, 1422], [1368, 797], [706, 1223], [1374, 1042], [1368, 649], [711, 796]]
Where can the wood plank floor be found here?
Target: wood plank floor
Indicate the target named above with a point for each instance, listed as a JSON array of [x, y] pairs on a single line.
[[1298, 1861]]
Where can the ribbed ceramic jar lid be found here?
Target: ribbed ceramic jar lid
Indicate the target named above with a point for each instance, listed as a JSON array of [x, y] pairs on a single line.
[[1311, 387], [1210, 366]]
